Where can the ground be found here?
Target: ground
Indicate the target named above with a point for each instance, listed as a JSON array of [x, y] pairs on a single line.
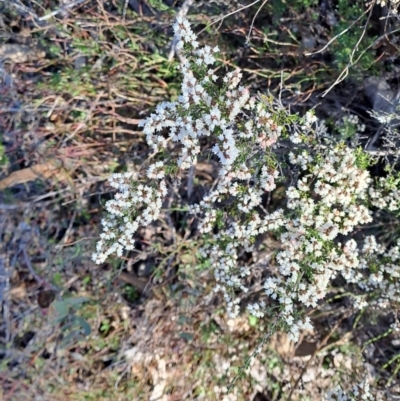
[[73, 88]]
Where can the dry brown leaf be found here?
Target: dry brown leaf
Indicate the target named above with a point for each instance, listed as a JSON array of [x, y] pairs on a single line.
[[40, 171], [306, 348], [281, 343], [18, 293], [207, 169]]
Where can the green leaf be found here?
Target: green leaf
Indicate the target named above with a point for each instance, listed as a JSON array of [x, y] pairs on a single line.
[[182, 319], [57, 279], [61, 308], [76, 301], [253, 321], [84, 324], [186, 336]]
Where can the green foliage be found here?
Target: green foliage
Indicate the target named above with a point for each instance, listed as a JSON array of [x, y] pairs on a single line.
[[88, 48], [393, 182], [73, 326], [131, 293], [3, 157], [348, 130], [207, 330], [105, 327], [71, 81], [348, 43], [345, 47], [160, 6], [279, 7], [58, 279]]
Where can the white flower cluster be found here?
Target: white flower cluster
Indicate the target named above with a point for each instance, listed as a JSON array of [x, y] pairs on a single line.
[[309, 260], [308, 121], [382, 267], [350, 123], [224, 257], [386, 194], [134, 205], [201, 110], [307, 264]]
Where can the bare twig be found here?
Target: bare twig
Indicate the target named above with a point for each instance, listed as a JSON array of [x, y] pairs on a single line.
[[337, 36], [345, 71], [228, 15], [29, 265], [67, 233], [126, 2], [371, 143], [252, 21], [190, 181], [173, 190], [383, 152], [61, 9], [11, 207]]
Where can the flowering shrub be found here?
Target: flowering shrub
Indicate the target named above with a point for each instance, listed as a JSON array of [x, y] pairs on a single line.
[[259, 145]]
